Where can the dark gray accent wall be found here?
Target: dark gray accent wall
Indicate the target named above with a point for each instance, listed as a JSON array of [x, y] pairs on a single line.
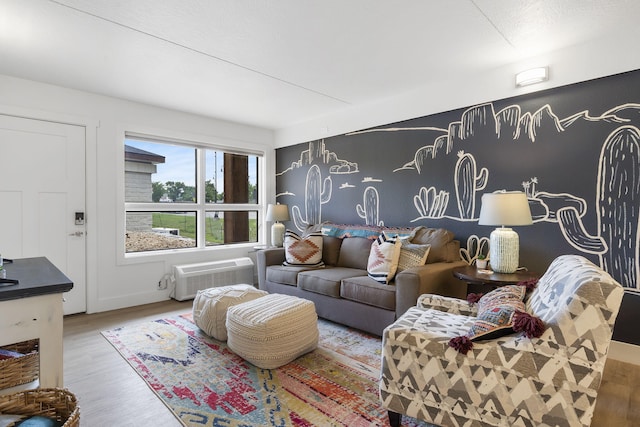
[[574, 150]]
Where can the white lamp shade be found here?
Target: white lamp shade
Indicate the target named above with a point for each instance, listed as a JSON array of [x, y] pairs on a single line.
[[505, 208], [277, 212]]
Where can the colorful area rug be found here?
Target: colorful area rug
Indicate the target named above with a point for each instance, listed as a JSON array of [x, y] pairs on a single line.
[[204, 383]]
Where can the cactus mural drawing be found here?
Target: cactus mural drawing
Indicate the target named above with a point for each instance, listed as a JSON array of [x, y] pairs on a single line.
[[431, 204], [467, 182], [618, 217], [476, 246], [369, 209], [317, 193]]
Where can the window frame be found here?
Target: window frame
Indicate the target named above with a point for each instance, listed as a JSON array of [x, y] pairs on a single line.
[[200, 207]]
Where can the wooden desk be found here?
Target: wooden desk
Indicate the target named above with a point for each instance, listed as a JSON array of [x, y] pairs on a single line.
[[473, 276], [33, 309]]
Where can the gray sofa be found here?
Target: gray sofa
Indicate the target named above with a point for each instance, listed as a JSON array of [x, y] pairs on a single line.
[[342, 291]]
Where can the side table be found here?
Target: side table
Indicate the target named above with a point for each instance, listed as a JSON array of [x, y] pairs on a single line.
[[487, 280]]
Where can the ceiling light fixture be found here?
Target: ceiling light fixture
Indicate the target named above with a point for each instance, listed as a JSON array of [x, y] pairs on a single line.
[[532, 76]]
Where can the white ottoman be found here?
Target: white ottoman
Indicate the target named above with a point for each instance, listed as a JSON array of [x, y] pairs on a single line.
[[210, 307], [273, 330]]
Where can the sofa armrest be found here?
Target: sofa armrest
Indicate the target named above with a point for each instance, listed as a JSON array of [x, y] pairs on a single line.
[[434, 278], [265, 258], [447, 304]]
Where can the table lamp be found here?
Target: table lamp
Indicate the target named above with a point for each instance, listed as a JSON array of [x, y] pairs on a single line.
[[275, 214], [506, 208]]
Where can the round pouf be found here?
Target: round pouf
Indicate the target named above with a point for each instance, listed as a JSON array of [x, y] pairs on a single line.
[[210, 307], [273, 330]]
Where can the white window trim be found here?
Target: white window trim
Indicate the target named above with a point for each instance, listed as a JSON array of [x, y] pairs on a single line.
[[195, 141]]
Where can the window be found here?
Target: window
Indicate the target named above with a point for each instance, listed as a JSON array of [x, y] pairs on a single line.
[[180, 195]]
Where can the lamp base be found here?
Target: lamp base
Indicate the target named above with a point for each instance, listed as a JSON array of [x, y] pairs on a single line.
[[504, 250], [277, 234]]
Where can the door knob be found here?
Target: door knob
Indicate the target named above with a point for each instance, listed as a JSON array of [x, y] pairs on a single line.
[[77, 234]]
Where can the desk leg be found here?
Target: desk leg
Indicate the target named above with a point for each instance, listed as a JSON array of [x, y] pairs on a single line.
[[37, 317]]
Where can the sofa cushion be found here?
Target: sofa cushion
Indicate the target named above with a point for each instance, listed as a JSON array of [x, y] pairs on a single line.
[[354, 252], [305, 250], [496, 311], [443, 247], [383, 258], [327, 281], [368, 291], [284, 275], [331, 250]]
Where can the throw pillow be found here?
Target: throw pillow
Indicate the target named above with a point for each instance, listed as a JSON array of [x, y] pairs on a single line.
[[383, 259], [495, 312], [412, 254], [303, 251]]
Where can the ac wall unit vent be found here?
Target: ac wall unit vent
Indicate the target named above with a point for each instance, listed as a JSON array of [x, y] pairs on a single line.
[[191, 278]]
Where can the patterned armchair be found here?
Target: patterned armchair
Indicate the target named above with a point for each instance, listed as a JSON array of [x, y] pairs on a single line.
[[509, 381]]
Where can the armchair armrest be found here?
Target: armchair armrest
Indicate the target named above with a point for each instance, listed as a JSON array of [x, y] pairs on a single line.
[[265, 258], [434, 278], [447, 304]]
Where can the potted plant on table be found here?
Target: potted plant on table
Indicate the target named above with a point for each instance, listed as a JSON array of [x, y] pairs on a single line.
[[481, 262]]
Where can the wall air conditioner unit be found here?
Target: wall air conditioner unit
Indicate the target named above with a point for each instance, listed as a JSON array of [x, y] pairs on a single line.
[[191, 278]]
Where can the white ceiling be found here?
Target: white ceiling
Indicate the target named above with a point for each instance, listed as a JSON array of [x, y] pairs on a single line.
[[278, 63]]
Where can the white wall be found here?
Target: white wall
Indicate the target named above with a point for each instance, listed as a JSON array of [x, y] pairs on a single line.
[[574, 64], [111, 281]]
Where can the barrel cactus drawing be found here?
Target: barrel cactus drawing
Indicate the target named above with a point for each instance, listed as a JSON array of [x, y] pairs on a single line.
[[617, 207], [467, 182], [317, 193], [431, 204], [369, 209]]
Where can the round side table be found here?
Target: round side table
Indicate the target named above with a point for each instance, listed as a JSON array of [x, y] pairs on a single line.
[[487, 280]]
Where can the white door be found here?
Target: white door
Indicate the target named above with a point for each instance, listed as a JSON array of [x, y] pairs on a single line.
[[42, 186]]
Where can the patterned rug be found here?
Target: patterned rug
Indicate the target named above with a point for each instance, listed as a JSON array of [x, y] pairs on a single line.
[[204, 383]]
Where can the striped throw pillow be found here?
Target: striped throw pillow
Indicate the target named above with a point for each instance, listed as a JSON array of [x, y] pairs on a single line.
[[412, 254], [383, 259], [303, 251]]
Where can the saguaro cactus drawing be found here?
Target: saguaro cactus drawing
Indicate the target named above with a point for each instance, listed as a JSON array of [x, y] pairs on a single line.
[[369, 210], [618, 208], [467, 182], [317, 193]]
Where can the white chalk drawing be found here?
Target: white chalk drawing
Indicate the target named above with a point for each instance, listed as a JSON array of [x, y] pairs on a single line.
[[430, 203], [467, 182], [346, 185], [317, 193], [318, 154], [616, 241], [370, 179], [369, 209], [476, 246], [286, 193]]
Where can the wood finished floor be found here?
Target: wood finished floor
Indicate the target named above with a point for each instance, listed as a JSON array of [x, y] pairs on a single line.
[[110, 393]]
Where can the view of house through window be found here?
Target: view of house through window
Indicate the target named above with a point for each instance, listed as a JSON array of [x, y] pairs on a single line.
[[181, 196]]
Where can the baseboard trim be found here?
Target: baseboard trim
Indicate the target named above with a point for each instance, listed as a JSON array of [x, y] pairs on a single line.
[[624, 352]]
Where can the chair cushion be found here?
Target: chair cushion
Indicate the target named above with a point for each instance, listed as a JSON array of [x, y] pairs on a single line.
[[368, 291]]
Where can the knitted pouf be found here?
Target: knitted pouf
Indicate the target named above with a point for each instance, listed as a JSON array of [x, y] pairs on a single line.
[[273, 330], [210, 307]]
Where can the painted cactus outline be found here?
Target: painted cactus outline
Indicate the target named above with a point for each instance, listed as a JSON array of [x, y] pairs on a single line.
[[467, 182], [476, 246], [618, 218], [430, 204], [317, 193], [370, 208]]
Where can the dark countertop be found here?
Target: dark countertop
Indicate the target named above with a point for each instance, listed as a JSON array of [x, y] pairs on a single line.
[[37, 276]]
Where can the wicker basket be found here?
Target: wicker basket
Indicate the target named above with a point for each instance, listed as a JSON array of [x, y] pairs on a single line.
[[56, 403], [20, 370]]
